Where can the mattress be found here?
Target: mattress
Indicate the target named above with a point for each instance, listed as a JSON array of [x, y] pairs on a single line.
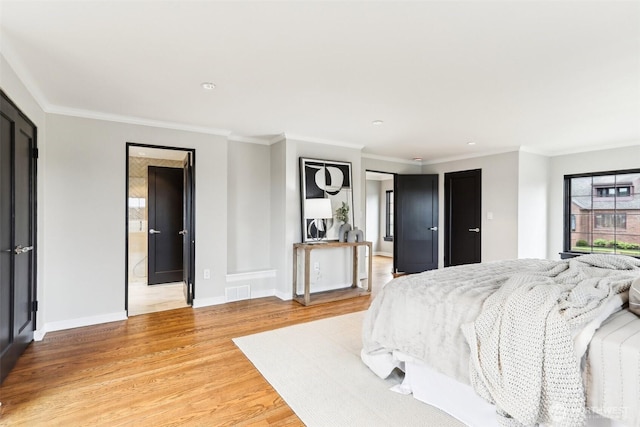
[[612, 369]]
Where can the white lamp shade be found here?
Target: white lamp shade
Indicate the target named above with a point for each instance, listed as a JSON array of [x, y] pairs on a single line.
[[317, 208]]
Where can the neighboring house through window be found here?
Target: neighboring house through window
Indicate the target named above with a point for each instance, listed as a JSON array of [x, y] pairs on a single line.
[[602, 213]]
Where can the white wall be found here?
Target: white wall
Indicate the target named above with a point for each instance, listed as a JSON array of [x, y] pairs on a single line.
[[373, 214], [533, 186], [14, 88], [385, 247], [335, 264], [84, 205], [499, 196], [594, 161], [249, 207]]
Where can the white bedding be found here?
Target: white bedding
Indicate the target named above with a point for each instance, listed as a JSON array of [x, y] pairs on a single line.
[[420, 316]]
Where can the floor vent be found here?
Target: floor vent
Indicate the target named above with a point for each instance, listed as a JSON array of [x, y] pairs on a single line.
[[238, 293]]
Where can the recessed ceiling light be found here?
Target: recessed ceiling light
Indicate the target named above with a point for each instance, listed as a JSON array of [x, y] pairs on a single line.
[[417, 159], [208, 85], [471, 143], [377, 122]]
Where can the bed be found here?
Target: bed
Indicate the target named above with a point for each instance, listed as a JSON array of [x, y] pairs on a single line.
[[516, 342]]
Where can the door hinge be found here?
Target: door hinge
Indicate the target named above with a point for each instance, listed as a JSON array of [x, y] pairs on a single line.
[[34, 305], [35, 153]]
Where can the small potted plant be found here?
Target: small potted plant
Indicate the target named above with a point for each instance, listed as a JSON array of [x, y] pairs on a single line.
[[342, 215]]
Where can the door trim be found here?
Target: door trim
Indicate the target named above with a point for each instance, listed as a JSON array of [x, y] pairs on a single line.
[[477, 173], [192, 151]]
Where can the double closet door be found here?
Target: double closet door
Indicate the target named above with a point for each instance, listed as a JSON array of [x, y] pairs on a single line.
[[18, 154]]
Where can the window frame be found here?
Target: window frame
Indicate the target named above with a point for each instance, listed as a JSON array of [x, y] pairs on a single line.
[[388, 217], [569, 217]]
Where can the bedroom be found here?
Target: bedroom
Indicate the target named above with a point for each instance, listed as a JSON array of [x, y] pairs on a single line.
[[82, 171]]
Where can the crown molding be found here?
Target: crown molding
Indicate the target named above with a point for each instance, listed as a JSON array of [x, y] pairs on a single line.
[[594, 148], [336, 143], [97, 115], [24, 76], [470, 156], [391, 159]]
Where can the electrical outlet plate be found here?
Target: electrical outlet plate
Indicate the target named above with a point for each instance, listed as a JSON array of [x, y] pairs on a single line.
[[207, 273], [316, 266]]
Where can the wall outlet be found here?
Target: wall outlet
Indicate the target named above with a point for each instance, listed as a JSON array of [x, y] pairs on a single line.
[[316, 266], [207, 273]]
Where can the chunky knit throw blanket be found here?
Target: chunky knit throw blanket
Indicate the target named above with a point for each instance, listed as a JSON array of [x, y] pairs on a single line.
[[522, 352]]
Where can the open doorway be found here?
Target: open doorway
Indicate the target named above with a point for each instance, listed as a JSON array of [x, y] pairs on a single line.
[[160, 232], [380, 222]]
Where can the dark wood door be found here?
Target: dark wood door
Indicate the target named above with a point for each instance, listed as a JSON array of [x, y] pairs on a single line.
[[18, 153], [165, 248], [415, 246], [188, 248], [463, 217]]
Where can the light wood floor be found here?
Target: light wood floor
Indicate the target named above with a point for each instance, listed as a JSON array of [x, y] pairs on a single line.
[[148, 299], [176, 367]]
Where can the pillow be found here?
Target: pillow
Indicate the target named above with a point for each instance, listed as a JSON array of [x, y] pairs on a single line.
[[634, 297]]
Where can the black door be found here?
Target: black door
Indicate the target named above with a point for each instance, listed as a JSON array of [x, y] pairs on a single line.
[[189, 243], [165, 248], [463, 217], [415, 246], [18, 154]]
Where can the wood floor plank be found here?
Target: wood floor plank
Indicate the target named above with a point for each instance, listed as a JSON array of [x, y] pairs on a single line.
[[171, 368]]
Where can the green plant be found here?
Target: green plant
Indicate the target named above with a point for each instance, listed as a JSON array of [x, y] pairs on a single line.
[[600, 243], [582, 242], [342, 213]]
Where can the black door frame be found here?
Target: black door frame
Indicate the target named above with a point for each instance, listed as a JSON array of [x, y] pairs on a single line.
[[398, 200], [22, 341], [477, 173], [192, 230]]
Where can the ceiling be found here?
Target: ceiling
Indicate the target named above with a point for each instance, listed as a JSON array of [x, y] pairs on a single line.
[[549, 76]]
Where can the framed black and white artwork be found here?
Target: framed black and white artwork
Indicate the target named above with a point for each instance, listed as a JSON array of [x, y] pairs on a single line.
[[331, 181]]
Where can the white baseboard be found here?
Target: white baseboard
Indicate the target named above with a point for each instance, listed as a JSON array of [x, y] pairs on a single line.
[[38, 334], [263, 294], [78, 323], [206, 302], [284, 296], [250, 275]]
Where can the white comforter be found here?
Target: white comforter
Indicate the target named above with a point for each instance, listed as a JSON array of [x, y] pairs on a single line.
[[421, 316]]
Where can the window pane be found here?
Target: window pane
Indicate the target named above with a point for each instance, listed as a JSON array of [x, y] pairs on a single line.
[[581, 186]]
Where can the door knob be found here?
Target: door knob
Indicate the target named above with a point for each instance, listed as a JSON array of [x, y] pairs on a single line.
[[22, 249], [433, 228], [152, 231], [475, 230], [183, 232]]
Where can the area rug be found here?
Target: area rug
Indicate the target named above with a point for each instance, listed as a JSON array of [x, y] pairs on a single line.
[[317, 370]]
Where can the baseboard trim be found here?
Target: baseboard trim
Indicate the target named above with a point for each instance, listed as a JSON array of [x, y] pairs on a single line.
[[284, 296], [207, 302], [80, 322], [250, 275], [263, 294]]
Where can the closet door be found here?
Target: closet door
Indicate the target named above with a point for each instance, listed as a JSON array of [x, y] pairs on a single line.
[[17, 233]]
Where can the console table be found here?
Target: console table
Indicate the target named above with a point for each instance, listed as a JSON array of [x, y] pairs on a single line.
[[334, 294]]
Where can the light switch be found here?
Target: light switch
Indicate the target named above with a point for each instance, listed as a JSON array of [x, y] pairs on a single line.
[[489, 215]]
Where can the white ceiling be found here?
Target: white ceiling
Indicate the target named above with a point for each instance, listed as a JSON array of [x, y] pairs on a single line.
[[551, 76]]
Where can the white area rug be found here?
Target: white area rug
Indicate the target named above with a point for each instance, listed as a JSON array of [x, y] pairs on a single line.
[[317, 370]]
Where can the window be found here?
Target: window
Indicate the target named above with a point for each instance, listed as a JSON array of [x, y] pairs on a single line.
[[621, 191], [389, 216], [602, 213], [609, 220]]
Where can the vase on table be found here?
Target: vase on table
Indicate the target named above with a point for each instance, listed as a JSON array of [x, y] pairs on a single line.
[[342, 232]]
